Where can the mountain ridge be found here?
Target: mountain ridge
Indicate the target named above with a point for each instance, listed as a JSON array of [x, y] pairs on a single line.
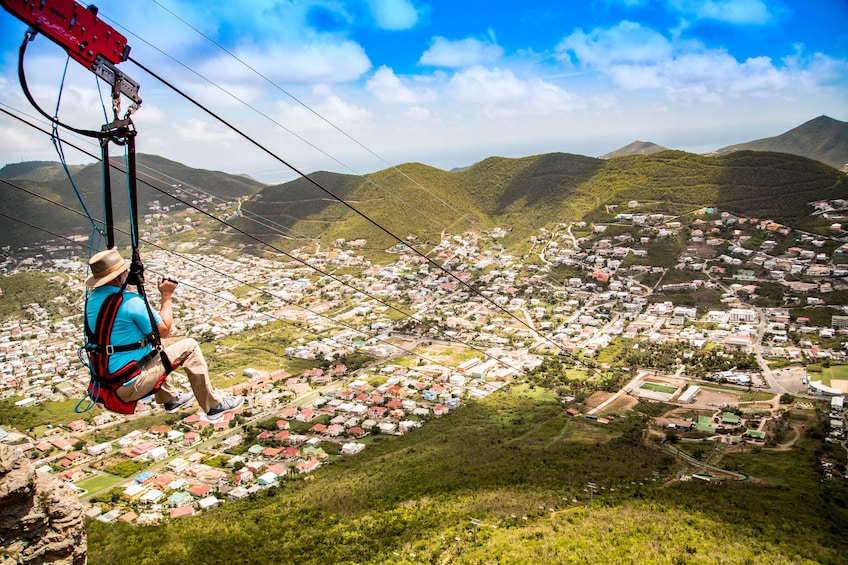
[[527, 193], [523, 193], [635, 148], [823, 139]]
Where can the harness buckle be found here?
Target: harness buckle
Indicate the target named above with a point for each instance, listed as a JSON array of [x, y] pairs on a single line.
[[110, 349]]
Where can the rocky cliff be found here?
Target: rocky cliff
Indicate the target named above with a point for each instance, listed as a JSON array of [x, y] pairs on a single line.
[[41, 519]]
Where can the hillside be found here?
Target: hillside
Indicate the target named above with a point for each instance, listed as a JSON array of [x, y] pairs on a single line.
[[157, 180], [823, 139], [520, 467], [635, 148], [522, 194], [540, 191]]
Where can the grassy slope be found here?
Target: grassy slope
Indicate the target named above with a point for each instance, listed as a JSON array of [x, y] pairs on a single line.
[[540, 191], [499, 461], [23, 289], [523, 194]]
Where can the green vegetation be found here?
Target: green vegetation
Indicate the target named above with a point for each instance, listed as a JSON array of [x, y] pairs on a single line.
[[659, 388], [98, 483], [123, 467], [520, 466], [21, 290], [818, 316], [827, 373], [704, 299], [50, 413], [524, 194], [580, 381]]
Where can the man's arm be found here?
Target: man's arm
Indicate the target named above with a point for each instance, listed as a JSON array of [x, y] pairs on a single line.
[[166, 312]]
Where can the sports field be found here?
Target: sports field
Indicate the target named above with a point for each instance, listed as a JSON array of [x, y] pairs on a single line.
[[665, 389]]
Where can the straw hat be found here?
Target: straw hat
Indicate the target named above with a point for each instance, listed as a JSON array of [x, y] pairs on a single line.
[[105, 266]]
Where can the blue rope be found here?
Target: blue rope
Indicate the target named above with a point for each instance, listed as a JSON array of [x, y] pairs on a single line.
[[102, 105], [89, 396], [57, 144]]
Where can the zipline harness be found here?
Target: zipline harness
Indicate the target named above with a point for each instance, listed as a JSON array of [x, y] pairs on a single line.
[[99, 47]]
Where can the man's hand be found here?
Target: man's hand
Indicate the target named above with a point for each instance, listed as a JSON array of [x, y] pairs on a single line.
[[167, 286]]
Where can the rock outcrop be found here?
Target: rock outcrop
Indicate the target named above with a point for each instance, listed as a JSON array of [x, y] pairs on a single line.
[[41, 519]]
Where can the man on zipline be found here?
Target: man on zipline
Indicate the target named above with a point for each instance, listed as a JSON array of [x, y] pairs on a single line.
[[132, 325]]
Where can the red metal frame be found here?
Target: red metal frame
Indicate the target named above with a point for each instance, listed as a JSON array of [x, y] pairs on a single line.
[[74, 27]]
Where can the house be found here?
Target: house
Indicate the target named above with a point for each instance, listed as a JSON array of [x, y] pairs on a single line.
[[352, 448], [133, 492], [152, 496], [178, 499], [157, 453], [279, 470], [356, 432], [268, 478], [272, 451], [200, 490], [99, 448], [72, 475], [77, 425], [208, 502], [181, 511], [308, 466], [128, 517]]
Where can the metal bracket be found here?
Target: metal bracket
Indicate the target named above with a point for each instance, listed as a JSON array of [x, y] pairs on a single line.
[[103, 68]]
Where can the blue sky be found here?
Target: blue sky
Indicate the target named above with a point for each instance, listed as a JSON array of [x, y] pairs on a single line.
[[355, 86]]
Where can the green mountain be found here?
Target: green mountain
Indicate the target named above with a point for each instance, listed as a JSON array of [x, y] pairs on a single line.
[[413, 199], [635, 148], [540, 191], [158, 180], [823, 139], [520, 468]]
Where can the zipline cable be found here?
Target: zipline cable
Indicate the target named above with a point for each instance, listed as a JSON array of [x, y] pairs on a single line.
[[292, 133], [249, 284], [437, 329], [319, 270], [318, 115], [371, 221]]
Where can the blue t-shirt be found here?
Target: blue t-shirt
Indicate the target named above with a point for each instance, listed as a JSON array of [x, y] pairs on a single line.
[[131, 324]]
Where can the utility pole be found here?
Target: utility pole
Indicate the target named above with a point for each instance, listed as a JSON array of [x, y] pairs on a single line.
[[592, 488], [474, 523]]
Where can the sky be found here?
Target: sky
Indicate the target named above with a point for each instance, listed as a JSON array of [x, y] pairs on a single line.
[[357, 86]]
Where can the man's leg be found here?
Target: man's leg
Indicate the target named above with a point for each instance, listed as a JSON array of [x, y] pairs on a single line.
[[144, 383], [196, 369]]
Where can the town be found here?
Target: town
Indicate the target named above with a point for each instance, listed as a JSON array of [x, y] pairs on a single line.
[[740, 306]]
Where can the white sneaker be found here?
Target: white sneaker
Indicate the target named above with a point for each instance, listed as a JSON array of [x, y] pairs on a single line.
[[226, 404]]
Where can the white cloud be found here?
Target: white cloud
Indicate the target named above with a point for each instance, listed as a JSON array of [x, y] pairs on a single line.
[[203, 131], [502, 89], [635, 57], [460, 53], [318, 61], [18, 141], [627, 42], [332, 109], [393, 14], [740, 12], [389, 89], [418, 114]]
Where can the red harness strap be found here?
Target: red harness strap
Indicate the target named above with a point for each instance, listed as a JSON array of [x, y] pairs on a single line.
[[103, 387]]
